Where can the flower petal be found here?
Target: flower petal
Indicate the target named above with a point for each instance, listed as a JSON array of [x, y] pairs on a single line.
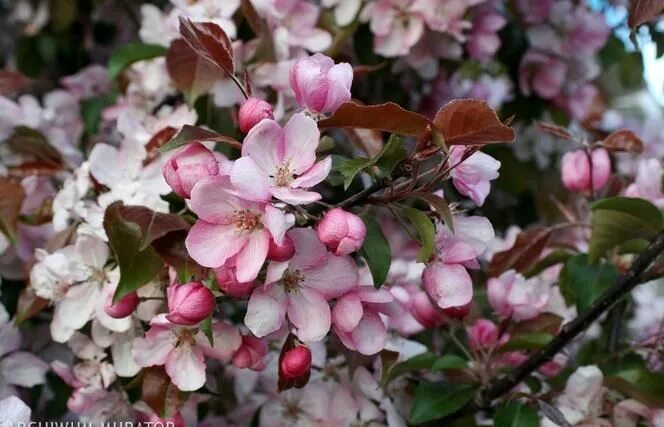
[[211, 245], [265, 145], [23, 369], [277, 222], [316, 174], [347, 312], [252, 257], [250, 180], [266, 310], [295, 196], [310, 313], [186, 367], [153, 350], [301, 137], [370, 336]]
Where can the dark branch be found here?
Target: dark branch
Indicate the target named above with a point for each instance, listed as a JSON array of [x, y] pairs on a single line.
[[634, 276]]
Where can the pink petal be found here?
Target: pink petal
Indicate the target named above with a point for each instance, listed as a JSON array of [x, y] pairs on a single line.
[[309, 251], [315, 175], [295, 196], [301, 140], [449, 285], [309, 312], [372, 295], [186, 367], [347, 312], [266, 310], [264, 144], [370, 336], [340, 77], [277, 222], [226, 339], [23, 369], [252, 256], [212, 201], [211, 245], [333, 277], [249, 180], [153, 350]]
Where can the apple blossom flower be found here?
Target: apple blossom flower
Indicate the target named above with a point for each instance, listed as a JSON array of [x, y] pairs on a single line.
[[582, 398], [575, 170], [232, 228], [345, 11], [295, 363], [13, 411], [511, 295], [446, 17], [252, 111], [449, 285], [281, 162], [217, 12], [299, 289], [541, 74], [189, 165], [472, 175], [396, 25], [341, 231], [251, 354], [182, 350], [483, 334], [320, 85], [428, 314], [88, 82], [484, 42], [357, 321], [282, 252], [189, 304], [228, 283]]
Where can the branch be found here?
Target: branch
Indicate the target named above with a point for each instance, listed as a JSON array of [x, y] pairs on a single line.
[[623, 285]]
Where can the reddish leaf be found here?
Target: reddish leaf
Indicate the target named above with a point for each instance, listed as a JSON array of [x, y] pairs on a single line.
[[12, 82], [523, 254], [189, 134], [159, 393], [210, 42], [29, 305], [154, 225], [388, 117], [364, 70], [30, 142], [156, 142], [555, 130], [623, 140], [10, 206], [546, 322], [191, 74], [471, 122], [36, 167], [642, 11], [172, 250]]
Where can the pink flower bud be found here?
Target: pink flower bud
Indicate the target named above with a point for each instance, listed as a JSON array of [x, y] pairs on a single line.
[[252, 112], [425, 312], [122, 308], [189, 165], [458, 312], [483, 334], [319, 84], [251, 355], [283, 252], [341, 231], [228, 283], [575, 170], [190, 303], [296, 363]]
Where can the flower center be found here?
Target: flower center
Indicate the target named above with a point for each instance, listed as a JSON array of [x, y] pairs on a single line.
[[283, 176], [245, 220], [291, 280], [185, 336], [291, 410]]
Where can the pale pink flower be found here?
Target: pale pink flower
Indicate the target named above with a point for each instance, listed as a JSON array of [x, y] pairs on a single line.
[[345, 11], [581, 400], [397, 26], [446, 16], [281, 162], [319, 84], [511, 295], [484, 41], [13, 411], [541, 74], [357, 321], [231, 227], [252, 111], [483, 334], [90, 81], [341, 231], [189, 304], [182, 350], [189, 165], [449, 285], [648, 182], [300, 288], [575, 170], [471, 176]]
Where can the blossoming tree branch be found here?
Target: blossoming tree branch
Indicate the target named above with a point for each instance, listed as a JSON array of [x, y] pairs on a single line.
[[332, 213]]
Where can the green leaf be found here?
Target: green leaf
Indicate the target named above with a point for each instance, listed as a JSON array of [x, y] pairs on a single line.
[[631, 376], [376, 251], [581, 282], [206, 327], [189, 134], [423, 361], [137, 267], [91, 109], [425, 229], [516, 414], [393, 154], [350, 168], [527, 341], [433, 401], [439, 204], [449, 361], [130, 53], [620, 219], [62, 13]]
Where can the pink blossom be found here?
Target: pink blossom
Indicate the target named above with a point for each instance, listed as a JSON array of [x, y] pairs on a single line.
[[541, 74], [252, 111], [282, 252], [472, 175], [319, 84], [345, 11], [229, 285], [90, 81], [575, 170], [483, 334], [428, 314], [182, 350], [232, 231], [588, 31], [648, 182], [251, 354], [357, 321], [449, 285], [188, 166], [189, 304], [281, 162], [511, 295], [579, 102], [341, 231], [534, 12], [124, 307], [484, 41], [295, 363], [446, 17], [396, 25], [299, 288]]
